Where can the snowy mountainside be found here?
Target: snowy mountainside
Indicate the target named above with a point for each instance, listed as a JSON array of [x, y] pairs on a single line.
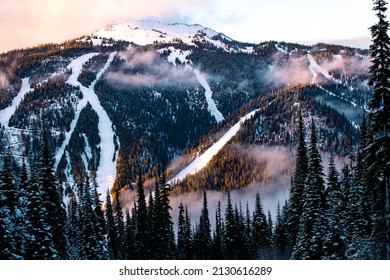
[[139, 95]]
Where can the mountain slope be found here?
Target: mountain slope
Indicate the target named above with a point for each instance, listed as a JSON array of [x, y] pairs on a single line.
[[135, 96]]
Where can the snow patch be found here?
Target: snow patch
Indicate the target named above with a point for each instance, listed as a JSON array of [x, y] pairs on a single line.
[[211, 106], [316, 69]]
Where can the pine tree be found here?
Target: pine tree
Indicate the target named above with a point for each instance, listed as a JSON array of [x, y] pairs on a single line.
[[39, 243], [309, 240], [120, 226], [10, 214], [129, 237], [297, 184], [180, 233], [217, 250], [280, 234], [379, 119], [112, 241], [204, 238], [261, 243], [52, 202], [188, 244], [230, 233], [141, 236], [334, 236]]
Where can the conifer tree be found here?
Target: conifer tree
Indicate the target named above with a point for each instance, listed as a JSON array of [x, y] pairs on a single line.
[[188, 245], [297, 184], [10, 213], [181, 229], [379, 116], [141, 236], [312, 223], [120, 228], [39, 243], [129, 237], [204, 238], [334, 236], [261, 243], [217, 250], [280, 234], [230, 232], [52, 199], [112, 241]]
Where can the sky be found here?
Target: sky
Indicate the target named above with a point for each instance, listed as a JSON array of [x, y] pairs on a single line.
[[26, 23]]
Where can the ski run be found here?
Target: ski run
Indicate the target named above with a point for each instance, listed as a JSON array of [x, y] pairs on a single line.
[[7, 113], [106, 172], [200, 162]]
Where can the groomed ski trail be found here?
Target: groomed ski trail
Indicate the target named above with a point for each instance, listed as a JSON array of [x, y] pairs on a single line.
[[105, 175], [200, 162]]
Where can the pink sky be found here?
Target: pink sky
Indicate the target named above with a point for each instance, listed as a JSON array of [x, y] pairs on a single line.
[[25, 23]]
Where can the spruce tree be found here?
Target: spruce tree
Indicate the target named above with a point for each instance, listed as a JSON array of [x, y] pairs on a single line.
[[10, 213], [129, 237], [312, 223], [39, 243], [181, 228], [230, 232], [379, 116], [52, 199], [141, 236], [120, 226], [217, 250], [204, 238], [297, 184], [112, 235], [261, 243], [334, 235], [280, 234]]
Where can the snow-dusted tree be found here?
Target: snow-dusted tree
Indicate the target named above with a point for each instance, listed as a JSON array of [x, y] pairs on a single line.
[[261, 243], [39, 243], [297, 184], [217, 251], [52, 198], [312, 223], [334, 235], [379, 149], [112, 241], [204, 238], [141, 248]]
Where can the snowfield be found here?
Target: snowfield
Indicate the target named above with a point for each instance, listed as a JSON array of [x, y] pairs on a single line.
[[201, 161]]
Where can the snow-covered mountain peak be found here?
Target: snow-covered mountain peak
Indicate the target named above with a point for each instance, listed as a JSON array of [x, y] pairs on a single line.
[[148, 32]]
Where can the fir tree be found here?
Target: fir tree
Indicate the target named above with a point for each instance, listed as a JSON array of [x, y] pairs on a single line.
[[380, 118], [120, 228], [280, 234], [204, 238], [52, 199], [297, 184], [217, 250], [141, 235], [309, 240], [129, 237], [261, 243], [181, 229], [112, 241], [334, 236], [39, 243], [230, 232]]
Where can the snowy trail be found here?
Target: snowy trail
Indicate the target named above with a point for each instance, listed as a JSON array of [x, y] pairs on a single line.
[[315, 69], [211, 106], [6, 114], [107, 166], [201, 161]]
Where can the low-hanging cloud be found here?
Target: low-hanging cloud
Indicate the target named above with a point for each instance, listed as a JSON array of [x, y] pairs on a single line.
[[147, 68], [348, 65], [3, 80], [289, 72]]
